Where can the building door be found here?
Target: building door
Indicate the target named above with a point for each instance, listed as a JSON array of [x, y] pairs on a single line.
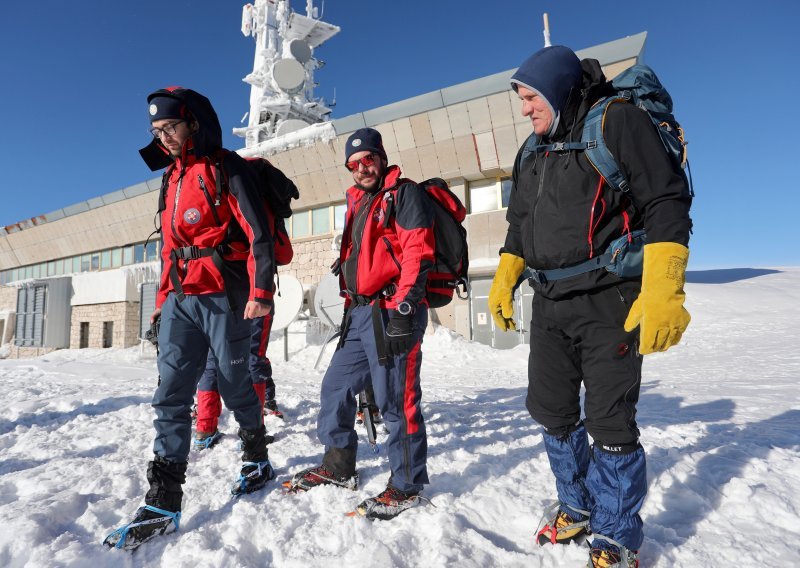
[[483, 327], [108, 334], [30, 316], [83, 341]]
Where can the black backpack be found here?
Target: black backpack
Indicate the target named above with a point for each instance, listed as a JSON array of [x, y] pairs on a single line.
[[451, 264]]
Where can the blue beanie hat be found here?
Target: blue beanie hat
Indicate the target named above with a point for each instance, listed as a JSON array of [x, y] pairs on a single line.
[[551, 72], [364, 140], [162, 107]]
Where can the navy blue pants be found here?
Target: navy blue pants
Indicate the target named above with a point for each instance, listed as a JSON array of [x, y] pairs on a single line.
[[397, 394], [259, 364], [581, 340], [188, 330]]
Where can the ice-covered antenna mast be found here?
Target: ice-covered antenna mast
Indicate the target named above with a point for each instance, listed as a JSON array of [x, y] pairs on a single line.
[[282, 81], [546, 31]]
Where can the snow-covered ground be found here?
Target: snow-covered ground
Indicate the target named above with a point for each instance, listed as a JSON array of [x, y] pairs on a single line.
[[719, 416]]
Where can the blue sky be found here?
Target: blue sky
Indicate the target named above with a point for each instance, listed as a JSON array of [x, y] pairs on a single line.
[[75, 76]]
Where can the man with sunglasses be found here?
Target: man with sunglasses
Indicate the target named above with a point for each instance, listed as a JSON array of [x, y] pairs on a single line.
[[217, 269], [386, 254]]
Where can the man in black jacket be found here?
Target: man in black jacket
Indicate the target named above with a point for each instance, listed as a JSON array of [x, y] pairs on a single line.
[[588, 325]]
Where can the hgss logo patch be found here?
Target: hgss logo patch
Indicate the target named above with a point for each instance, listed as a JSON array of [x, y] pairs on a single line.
[[192, 216]]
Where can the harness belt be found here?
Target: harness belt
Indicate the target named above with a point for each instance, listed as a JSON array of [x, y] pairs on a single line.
[[377, 320], [186, 254], [545, 276]]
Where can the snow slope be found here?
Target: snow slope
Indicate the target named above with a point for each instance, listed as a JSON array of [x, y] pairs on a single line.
[[719, 416]]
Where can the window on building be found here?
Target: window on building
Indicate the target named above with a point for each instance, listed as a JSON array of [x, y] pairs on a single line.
[[338, 216], [51, 268], [96, 261], [300, 224], [138, 253], [108, 334], [127, 255], [505, 191], [105, 259], [321, 220], [76, 264], [483, 196], [60, 267], [86, 263], [151, 251], [116, 257]]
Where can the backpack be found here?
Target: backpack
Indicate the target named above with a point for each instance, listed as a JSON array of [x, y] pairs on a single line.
[[451, 262], [278, 191], [640, 86]]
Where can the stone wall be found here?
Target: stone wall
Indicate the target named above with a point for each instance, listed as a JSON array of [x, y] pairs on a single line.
[[8, 298], [312, 260], [124, 315]]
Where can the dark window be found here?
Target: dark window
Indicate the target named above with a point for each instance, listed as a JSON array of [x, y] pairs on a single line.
[[84, 339], [108, 334]]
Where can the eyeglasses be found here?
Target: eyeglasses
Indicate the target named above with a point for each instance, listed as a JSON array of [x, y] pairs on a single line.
[[366, 161], [168, 129]]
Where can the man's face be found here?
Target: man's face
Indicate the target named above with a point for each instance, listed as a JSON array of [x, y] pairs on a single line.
[[537, 109], [172, 133], [367, 176]]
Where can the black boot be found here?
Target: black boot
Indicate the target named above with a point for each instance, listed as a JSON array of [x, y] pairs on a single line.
[[256, 470], [161, 513]]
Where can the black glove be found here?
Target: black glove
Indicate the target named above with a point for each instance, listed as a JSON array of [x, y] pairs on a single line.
[[399, 334], [151, 334], [336, 267]]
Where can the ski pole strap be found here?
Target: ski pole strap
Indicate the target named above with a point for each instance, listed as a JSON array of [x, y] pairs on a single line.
[[545, 276], [366, 412]]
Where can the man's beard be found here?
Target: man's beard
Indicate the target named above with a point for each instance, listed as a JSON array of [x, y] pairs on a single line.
[[375, 185]]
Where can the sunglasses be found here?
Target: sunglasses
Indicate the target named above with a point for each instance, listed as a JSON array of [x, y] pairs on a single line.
[[366, 161]]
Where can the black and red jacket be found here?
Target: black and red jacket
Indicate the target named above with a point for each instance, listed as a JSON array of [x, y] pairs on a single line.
[[388, 239], [198, 213]]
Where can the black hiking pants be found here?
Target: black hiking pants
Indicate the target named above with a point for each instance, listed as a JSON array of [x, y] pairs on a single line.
[[581, 340]]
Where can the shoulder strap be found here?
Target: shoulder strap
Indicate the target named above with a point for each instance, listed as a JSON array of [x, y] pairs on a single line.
[[596, 149]]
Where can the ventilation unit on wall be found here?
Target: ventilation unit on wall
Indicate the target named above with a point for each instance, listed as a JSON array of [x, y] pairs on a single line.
[[43, 314]]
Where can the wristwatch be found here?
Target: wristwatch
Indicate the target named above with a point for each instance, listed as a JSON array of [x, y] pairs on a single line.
[[405, 308]]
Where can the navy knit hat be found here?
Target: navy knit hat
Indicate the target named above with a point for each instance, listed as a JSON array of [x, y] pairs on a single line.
[[162, 107], [364, 140], [551, 72]]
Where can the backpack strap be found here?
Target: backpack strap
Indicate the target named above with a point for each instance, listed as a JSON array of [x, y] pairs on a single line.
[[597, 151]]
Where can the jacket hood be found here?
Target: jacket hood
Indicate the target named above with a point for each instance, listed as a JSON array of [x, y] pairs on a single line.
[[593, 86], [205, 142]]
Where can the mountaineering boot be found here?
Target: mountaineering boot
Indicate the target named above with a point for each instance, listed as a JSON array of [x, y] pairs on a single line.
[[205, 440], [564, 527], [388, 504], [256, 469], [161, 513], [148, 523], [607, 553], [317, 476]]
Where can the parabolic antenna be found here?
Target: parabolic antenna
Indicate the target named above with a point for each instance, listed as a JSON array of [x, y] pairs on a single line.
[[288, 302], [290, 125], [300, 50], [328, 304], [289, 75]]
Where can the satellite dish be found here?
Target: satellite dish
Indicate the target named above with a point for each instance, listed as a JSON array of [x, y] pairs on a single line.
[[289, 75], [288, 301], [290, 125], [328, 304], [300, 50]]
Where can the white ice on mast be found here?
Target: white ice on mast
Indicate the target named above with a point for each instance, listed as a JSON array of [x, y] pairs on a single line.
[[282, 81]]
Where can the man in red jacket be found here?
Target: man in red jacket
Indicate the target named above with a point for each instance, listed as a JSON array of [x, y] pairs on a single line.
[[387, 252], [212, 283]]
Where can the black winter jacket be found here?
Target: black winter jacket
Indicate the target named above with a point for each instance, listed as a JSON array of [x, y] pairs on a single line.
[[559, 215]]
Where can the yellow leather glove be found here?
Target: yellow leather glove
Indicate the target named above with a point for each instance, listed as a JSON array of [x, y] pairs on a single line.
[[501, 301], [659, 311]]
